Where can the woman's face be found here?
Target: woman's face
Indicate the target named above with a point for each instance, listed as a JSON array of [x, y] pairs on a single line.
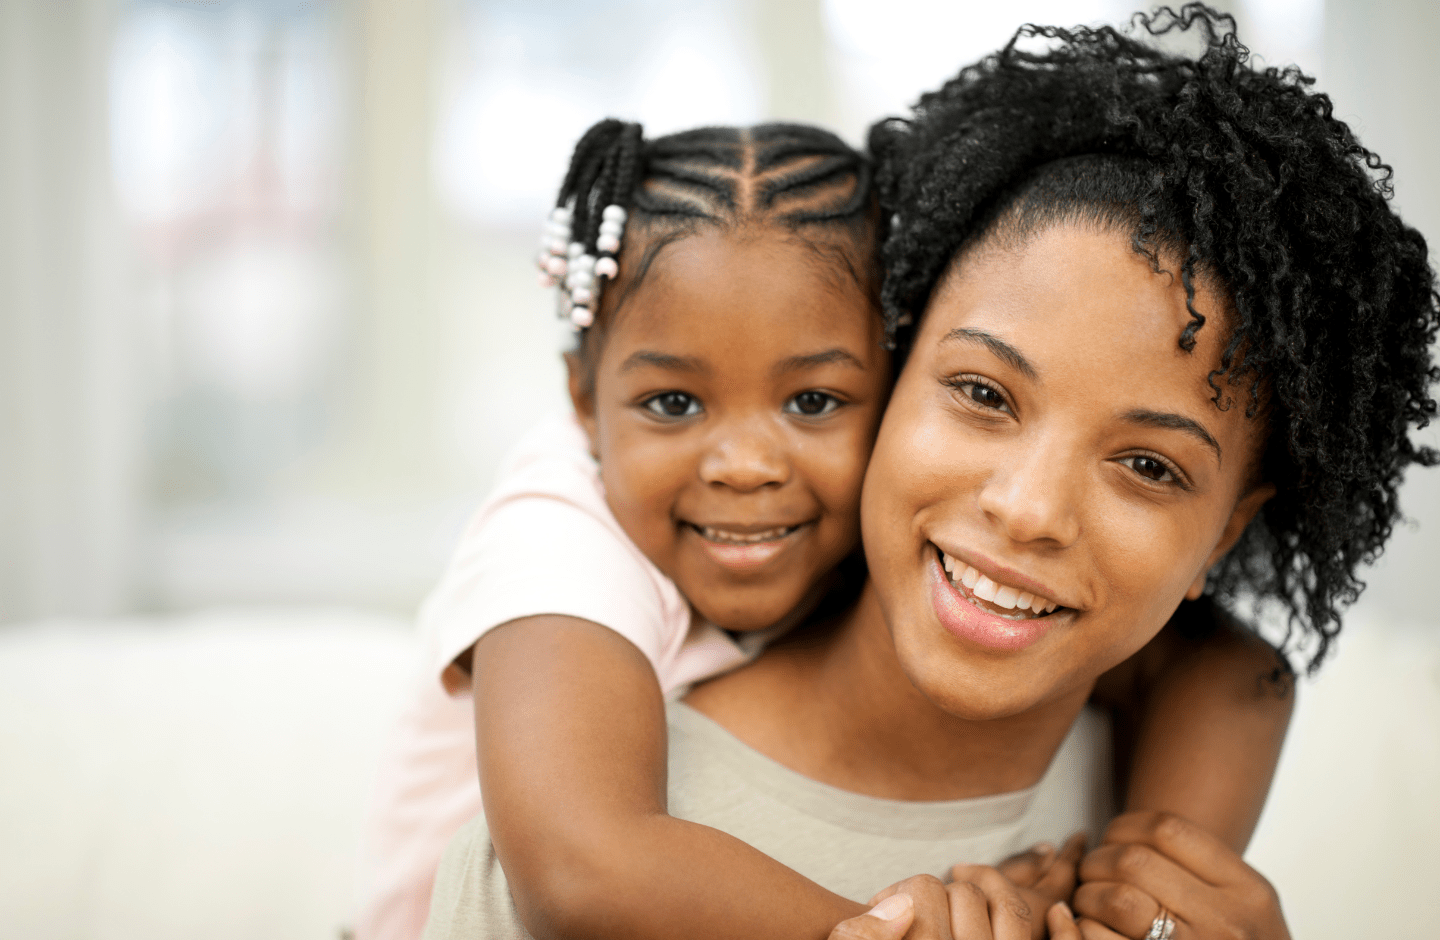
[[1050, 444]]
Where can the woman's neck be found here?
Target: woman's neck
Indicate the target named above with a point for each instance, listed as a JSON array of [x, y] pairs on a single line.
[[839, 709]]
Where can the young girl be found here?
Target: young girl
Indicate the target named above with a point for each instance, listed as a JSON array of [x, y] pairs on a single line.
[[1170, 336], [727, 385]]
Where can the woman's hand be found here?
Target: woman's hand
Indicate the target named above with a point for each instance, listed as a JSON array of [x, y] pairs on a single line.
[[1149, 862]]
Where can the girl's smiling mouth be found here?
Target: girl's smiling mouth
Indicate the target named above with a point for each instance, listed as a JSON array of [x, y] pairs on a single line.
[[992, 614], [744, 547]]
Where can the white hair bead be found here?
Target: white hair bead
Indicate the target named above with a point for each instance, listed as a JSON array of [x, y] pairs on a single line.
[[581, 317], [585, 263], [575, 250], [611, 228], [608, 243], [558, 247], [580, 278], [581, 295], [606, 267], [560, 214], [555, 266], [614, 214]]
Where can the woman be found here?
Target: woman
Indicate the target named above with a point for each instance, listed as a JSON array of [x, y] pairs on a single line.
[[1152, 296]]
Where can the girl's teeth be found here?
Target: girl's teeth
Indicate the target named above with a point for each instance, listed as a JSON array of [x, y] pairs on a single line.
[[716, 535]]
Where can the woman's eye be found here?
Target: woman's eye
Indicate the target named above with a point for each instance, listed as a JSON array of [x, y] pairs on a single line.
[[982, 395], [812, 404], [673, 405], [1150, 468]]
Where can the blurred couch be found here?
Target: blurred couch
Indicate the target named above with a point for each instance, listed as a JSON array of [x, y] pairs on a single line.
[[205, 776]]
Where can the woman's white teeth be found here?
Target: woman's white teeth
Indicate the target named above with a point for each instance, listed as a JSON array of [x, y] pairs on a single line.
[[743, 538], [1001, 595]]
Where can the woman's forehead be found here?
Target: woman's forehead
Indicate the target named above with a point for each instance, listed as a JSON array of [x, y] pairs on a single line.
[[1084, 317]]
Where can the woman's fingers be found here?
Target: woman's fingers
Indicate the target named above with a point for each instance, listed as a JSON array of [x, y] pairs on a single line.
[[1122, 907], [1058, 882], [1141, 869], [1024, 869], [887, 920], [1060, 921], [1189, 845]]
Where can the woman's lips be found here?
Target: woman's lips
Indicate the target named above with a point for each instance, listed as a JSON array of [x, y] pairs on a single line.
[[744, 549], [970, 623]]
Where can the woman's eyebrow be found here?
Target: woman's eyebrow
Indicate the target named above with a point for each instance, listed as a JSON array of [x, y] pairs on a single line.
[[800, 363], [649, 357], [1174, 422], [996, 345]]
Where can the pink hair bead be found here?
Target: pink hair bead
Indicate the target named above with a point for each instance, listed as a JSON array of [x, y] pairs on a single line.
[[607, 242], [606, 267], [581, 295], [555, 266], [581, 317]]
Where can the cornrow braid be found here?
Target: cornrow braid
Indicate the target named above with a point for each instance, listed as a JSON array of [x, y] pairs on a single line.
[[780, 174]]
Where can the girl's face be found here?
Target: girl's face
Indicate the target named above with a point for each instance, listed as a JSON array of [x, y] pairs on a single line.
[[1049, 443], [735, 401]]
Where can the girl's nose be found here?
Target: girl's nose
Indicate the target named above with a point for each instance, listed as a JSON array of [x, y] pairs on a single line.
[[1034, 499], [745, 456]]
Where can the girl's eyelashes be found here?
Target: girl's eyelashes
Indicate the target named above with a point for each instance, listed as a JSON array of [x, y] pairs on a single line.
[[672, 405], [1156, 469], [812, 404], [980, 392]]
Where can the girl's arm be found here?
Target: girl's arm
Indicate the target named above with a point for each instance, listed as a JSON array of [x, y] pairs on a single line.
[[1199, 723], [571, 738]]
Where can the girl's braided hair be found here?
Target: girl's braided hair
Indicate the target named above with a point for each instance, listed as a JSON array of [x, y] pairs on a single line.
[[789, 175], [1238, 174]]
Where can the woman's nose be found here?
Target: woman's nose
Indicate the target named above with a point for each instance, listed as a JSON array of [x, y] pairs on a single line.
[[1034, 499], [745, 456]]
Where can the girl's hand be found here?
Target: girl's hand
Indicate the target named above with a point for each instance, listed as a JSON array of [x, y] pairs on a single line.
[[1149, 861], [988, 906], [1041, 876], [887, 920]]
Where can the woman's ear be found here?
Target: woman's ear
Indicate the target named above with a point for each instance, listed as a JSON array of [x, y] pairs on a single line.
[[1245, 510], [582, 397]]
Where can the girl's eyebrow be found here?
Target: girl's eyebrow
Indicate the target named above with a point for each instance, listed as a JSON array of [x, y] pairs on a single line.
[[996, 345], [801, 363], [1174, 422], [649, 357]]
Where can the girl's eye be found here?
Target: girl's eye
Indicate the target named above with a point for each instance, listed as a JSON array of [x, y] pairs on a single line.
[[812, 404], [673, 405], [1150, 468]]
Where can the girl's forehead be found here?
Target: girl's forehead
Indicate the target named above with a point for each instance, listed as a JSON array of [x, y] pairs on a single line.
[[765, 268]]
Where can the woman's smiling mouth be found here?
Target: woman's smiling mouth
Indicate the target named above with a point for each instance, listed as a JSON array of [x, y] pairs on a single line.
[[743, 547], [997, 622]]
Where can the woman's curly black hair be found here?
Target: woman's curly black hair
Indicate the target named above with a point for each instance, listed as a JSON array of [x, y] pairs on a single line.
[[1245, 176]]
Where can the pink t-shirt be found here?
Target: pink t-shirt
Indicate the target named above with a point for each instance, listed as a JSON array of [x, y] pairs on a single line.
[[510, 564]]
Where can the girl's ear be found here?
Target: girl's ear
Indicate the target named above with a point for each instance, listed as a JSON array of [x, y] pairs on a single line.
[[1245, 510], [582, 398]]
